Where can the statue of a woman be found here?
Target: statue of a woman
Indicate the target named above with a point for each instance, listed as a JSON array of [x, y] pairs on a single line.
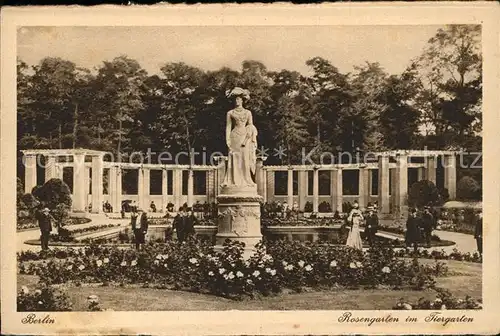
[[241, 139]]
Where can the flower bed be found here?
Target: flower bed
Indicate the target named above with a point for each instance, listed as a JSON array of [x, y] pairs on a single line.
[[440, 255], [65, 235], [28, 223], [444, 300], [45, 298], [194, 266], [466, 228]]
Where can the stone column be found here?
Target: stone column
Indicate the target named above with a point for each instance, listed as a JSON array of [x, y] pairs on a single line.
[[79, 186], [59, 171], [362, 190], [97, 187], [113, 176], [164, 189], [302, 188], [420, 173], [290, 188], [119, 191], [333, 189], [369, 182], [270, 185], [30, 179], [315, 190], [339, 190], [140, 188], [210, 185], [177, 188], [392, 186], [450, 175], [401, 186], [431, 168], [50, 167], [87, 184], [383, 184], [147, 189], [190, 188]]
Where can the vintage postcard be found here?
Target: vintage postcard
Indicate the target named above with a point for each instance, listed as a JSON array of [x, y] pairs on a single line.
[[250, 169]]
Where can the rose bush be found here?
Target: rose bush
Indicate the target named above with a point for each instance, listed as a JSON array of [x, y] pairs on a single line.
[[440, 255], [444, 300], [45, 298], [195, 266]]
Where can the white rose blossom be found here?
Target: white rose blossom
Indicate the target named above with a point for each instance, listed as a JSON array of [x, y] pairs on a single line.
[[239, 274], [308, 268], [133, 263], [123, 263], [386, 270], [81, 267], [99, 263], [352, 265], [256, 273], [301, 263], [211, 273], [106, 260], [222, 270], [333, 263]]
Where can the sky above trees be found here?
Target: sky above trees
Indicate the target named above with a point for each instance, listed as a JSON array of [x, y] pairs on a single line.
[[211, 48]]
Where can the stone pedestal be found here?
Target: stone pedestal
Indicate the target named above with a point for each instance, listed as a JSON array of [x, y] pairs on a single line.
[[239, 217]]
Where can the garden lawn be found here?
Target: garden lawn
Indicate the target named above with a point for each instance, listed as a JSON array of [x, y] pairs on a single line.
[[464, 279]]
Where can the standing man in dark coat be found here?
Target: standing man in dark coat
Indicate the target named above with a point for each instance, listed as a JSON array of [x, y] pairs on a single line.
[[178, 224], [140, 236], [136, 228], [478, 233], [45, 223], [427, 224], [191, 221], [371, 225], [412, 235]]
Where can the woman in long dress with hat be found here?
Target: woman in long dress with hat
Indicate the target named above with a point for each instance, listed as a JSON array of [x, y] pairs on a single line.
[[355, 217], [241, 139]]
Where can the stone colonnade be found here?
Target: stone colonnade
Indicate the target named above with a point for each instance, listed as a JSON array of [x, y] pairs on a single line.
[[396, 161]]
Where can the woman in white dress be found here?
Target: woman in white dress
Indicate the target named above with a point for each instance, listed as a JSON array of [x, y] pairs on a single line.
[[355, 217], [241, 139]]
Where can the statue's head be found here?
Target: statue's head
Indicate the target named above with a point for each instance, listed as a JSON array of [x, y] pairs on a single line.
[[240, 95]]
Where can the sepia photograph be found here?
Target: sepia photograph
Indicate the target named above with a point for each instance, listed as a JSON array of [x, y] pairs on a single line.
[[168, 168]]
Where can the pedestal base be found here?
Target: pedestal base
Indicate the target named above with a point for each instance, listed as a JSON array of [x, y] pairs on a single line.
[[239, 220]]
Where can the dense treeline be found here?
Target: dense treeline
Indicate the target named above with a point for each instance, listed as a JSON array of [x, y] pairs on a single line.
[[119, 107]]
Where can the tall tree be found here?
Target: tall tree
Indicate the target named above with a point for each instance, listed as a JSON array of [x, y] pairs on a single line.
[[450, 89], [52, 94], [118, 86], [287, 121], [179, 120]]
